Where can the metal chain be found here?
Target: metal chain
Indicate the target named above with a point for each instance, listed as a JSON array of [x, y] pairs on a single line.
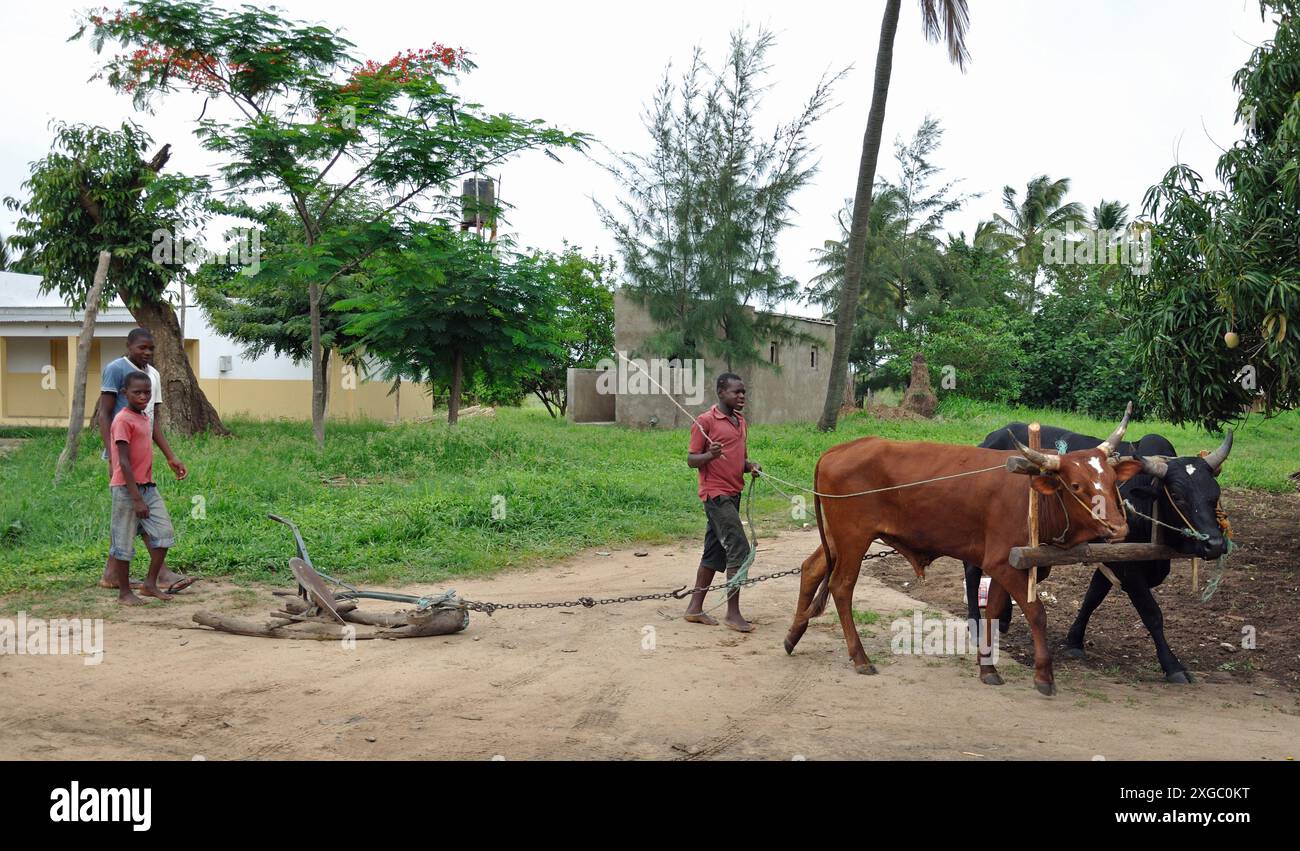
[[679, 594]]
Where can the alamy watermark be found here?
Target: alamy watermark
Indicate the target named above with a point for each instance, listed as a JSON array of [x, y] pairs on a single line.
[[922, 636], [171, 248], [1083, 246], [24, 636], [650, 376]]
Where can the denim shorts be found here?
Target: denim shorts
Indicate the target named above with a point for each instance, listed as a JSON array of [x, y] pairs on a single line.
[[157, 527]]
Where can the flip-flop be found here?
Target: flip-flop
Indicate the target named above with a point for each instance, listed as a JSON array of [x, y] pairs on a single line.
[[181, 584]]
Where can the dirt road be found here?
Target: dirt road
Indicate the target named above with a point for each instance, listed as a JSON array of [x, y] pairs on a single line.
[[585, 684]]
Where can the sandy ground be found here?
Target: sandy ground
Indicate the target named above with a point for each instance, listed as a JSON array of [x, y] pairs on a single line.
[[581, 684]]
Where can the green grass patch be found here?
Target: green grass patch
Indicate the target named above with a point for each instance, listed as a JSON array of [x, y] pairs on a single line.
[[415, 502], [867, 618]]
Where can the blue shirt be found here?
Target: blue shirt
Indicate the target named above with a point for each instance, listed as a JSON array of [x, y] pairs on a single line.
[[112, 379]]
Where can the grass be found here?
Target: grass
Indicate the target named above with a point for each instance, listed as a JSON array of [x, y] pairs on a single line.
[[415, 502]]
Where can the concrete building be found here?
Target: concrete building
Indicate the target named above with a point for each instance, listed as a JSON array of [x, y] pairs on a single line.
[[789, 387], [38, 351]]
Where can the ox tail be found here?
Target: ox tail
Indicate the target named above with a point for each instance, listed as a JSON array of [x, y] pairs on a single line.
[[818, 605]]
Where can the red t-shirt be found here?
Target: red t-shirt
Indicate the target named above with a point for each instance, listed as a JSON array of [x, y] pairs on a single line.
[[137, 431], [723, 476]]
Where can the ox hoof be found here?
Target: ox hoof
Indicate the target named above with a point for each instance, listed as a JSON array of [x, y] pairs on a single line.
[[1004, 627], [789, 647], [1046, 689], [991, 679], [865, 669], [1180, 677], [1075, 653]]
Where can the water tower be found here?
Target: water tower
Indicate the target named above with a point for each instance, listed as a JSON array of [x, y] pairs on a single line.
[[478, 205]]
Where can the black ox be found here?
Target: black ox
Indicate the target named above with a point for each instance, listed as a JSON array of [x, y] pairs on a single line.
[[1189, 481]]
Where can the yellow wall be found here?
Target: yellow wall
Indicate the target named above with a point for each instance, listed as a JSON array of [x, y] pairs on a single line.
[[24, 402], [291, 399]]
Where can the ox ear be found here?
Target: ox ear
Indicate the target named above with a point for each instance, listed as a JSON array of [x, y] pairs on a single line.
[[1127, 468], [1020, 464], [1046, 484]]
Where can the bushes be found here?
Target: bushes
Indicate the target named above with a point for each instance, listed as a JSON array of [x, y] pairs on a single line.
[[1079, 356], [979, 344]]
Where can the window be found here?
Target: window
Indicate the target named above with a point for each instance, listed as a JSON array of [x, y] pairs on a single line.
[[812, 361], [772, 354]]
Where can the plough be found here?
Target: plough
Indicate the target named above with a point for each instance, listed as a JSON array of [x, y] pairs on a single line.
[[316, 613]]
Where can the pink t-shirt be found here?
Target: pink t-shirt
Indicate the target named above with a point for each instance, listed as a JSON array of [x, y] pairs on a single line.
[[724, 476], [137, 431]]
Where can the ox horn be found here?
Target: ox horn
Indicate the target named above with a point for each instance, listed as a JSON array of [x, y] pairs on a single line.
[[1040, 460], [1216, 458], [1111, 443]]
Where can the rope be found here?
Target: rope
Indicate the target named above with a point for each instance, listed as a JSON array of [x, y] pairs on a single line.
[[875, 490]]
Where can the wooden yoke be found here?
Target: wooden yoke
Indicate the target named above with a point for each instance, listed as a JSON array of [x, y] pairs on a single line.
[[1036, 443]]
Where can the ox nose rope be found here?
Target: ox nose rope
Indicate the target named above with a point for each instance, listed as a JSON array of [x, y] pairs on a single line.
[[1188, 532]]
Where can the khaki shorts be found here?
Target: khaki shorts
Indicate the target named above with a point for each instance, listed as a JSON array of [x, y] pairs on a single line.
[[157, 527]]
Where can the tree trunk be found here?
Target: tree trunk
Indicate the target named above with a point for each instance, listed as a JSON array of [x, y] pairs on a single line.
[[453, 400], [851, 288], [188, 410], [77, 416], [318, 375]]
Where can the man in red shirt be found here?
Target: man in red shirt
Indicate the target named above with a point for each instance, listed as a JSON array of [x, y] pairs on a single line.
[[717, 450]]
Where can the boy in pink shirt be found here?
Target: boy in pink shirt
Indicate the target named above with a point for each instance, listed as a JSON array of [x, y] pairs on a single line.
[[137, 506]]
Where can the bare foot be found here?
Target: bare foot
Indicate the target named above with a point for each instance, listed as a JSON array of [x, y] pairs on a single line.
[[130, 600], [105, 582], [701, 617], [154, 591], [739, 624]]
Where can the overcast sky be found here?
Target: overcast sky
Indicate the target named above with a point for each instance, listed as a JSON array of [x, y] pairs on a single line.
[[1108, 93]]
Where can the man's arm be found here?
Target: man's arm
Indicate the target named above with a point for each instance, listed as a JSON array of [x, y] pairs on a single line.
[[107, 401], [702, 448], [699, 459]]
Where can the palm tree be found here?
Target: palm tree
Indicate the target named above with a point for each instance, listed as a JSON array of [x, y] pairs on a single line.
[[1041, 210], [940, 19], [1109, 215]]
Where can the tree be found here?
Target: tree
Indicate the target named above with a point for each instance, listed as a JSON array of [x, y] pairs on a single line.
[[446, 308], [1043, 209], [77, 414], [269, 310], [1109, 215], [584, 323], [697, 225], [878, 303], [1226, 263], [96, 192], [298, 104], [905, 257], [940, 18]]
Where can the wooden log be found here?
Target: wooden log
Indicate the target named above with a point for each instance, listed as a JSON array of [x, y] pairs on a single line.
[[1196, 575], [307, 631], [444, 622], [1035, 442], [1024, 558]]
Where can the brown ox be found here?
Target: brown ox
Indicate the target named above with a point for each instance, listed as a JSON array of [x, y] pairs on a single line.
[[976, 519]]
